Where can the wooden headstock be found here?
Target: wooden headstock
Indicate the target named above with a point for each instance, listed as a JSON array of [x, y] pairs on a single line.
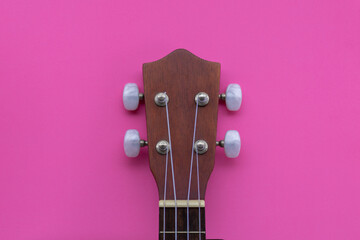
[[181, 75]]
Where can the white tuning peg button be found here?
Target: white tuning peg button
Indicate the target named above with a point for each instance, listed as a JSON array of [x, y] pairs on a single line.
[[131, 96], [132, 143], [232, 97], [231, 144]]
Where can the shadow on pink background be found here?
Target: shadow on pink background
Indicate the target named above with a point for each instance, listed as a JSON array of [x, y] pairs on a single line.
[[63, 66]]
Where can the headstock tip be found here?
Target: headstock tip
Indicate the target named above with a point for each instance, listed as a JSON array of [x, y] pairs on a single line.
[[182, 53]]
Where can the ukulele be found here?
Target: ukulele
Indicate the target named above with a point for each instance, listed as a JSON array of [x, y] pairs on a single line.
[[181, 96]]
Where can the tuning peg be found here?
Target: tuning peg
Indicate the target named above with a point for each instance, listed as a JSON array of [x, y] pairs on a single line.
[[232, 97], [231, 143], [131, 96], [132, 143]]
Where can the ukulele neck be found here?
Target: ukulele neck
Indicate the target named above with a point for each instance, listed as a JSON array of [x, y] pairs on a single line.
[[195, 227]]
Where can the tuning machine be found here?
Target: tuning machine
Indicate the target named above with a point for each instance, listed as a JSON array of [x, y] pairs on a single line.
[[231, 144], [132, 143], [232, 97], [132, 96]]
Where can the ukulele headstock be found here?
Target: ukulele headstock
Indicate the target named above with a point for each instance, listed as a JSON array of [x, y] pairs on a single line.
[[180, 89]]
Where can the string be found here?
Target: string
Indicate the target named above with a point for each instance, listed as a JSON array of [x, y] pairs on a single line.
[[191, 167], [172, 165], [166, 168], [198, 185]]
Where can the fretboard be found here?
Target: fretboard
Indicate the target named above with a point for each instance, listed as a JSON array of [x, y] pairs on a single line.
[[182, 223]]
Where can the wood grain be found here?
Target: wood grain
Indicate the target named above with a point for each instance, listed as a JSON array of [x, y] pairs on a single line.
[[181, 75]]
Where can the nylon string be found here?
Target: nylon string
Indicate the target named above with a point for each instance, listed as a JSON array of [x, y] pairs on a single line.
[[172, 166], [198, 185], [189, 186], [166, 168]]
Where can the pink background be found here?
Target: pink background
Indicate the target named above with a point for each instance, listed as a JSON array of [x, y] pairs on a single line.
[[63, 66]]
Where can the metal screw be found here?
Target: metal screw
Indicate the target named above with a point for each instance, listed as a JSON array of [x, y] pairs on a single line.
[[162, 147], [201, 146], [143, 143], [222, 96], [220, 143], [202, 99], [161, 99]]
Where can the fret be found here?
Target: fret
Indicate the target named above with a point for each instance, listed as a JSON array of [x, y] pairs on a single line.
[[182, 236], [182, 219], [182, 223], [182, 232]]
